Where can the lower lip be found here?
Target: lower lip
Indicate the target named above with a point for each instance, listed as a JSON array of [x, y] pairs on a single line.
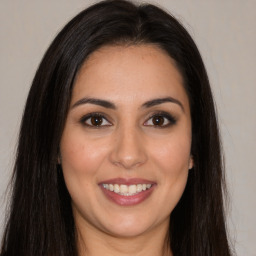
[[128, 200]]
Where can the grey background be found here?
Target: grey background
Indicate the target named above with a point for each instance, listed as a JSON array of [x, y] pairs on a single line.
[[224, 31]]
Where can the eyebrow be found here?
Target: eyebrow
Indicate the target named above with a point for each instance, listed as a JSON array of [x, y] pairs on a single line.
[[155, 102], [99, 102], [110, 105]]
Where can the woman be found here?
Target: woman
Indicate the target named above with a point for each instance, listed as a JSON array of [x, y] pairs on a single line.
[[119, 151]]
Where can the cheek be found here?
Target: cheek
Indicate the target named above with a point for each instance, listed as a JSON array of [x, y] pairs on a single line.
[[172, 155], [81, 158], [80, 155], [172, 161]]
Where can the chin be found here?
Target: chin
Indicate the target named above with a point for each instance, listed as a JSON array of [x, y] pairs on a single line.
[[128, 231], [130, 226]]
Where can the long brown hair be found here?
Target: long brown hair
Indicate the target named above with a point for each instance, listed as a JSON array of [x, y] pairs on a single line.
[[40, 219]]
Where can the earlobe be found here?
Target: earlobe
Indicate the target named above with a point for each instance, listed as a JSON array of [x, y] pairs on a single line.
[[191, 162], [59, 157]]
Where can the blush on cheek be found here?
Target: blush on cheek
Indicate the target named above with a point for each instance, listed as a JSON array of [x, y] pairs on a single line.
[[83, 159], [173, 154]]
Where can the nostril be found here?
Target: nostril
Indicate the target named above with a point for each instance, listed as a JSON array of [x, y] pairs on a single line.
[[127, 164]]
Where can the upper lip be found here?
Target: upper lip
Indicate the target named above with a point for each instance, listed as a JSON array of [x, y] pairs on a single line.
[[127, 181]]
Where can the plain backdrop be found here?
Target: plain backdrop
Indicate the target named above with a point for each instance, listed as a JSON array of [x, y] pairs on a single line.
[[225, 32]]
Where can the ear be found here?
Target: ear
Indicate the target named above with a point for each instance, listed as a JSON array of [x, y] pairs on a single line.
[[191, 162], [59, 157], [59, 160]]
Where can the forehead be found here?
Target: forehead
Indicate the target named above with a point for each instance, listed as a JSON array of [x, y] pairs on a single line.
[[125, 73]]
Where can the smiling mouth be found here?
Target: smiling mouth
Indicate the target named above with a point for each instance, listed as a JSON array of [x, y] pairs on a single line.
[[127, 190]]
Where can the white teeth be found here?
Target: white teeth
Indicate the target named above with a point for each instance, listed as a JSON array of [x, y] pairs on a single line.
[[127, 190], [116, 188], [148, 186], [139, 188], [132, 189], [123, 189]]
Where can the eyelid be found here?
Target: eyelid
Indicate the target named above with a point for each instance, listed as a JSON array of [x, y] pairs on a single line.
[[94, 114], [171, 119]]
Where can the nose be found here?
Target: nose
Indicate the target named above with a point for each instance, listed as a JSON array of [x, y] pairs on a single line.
[[128, 149]]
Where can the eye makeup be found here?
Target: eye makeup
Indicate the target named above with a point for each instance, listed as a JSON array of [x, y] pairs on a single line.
[[95, 120], [159, 119]]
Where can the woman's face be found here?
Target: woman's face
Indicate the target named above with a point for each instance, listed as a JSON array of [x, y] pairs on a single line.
[[125, 149]]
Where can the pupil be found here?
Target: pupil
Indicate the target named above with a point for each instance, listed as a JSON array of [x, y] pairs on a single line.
[[96, 120], [158, 120]]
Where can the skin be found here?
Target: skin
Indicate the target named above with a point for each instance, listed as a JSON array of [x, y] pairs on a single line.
[[128, 145]]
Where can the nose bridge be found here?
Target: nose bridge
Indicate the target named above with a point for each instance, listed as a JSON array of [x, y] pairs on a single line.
[[128, 150]]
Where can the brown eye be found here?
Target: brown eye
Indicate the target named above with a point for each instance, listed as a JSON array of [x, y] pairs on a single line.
[[161, 120], [96, 120], [158, 120]]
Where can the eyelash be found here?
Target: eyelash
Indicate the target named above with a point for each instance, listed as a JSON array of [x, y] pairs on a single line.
[[87, 117], [162, 114], [170, 118]]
